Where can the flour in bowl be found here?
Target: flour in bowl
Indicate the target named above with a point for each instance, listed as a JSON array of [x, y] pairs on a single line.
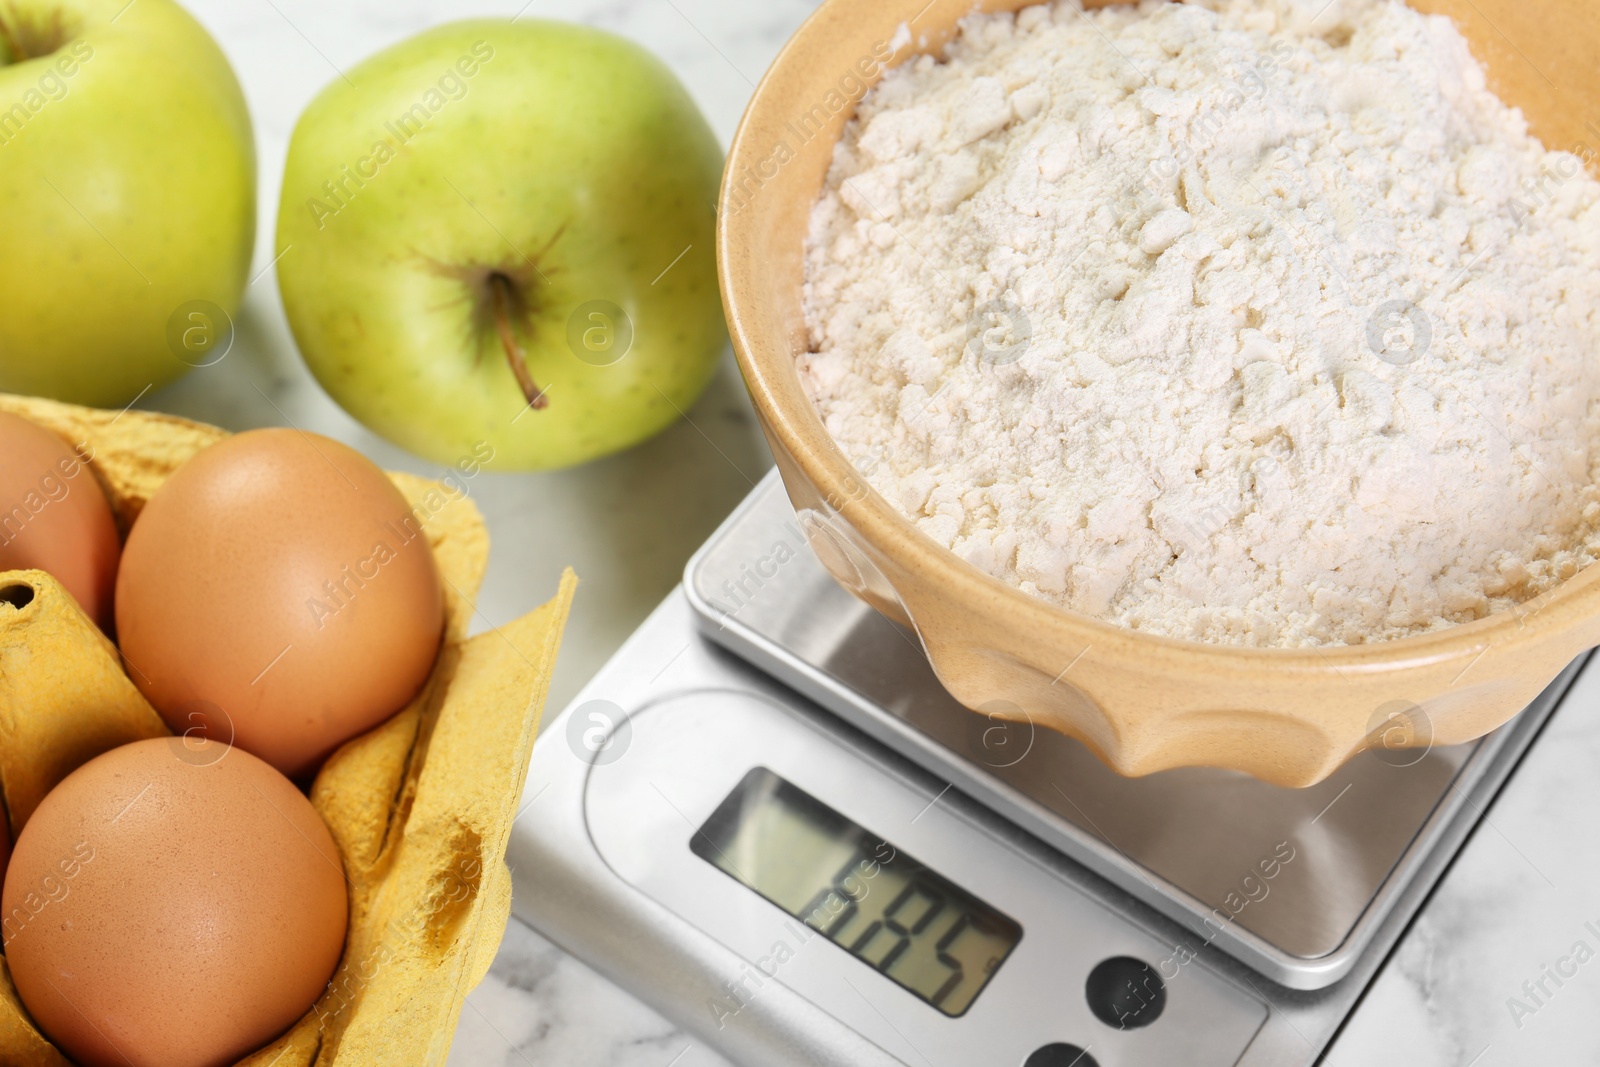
[[1250, 321]]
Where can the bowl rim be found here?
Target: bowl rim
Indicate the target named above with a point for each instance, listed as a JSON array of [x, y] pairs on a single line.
[[808, 445]]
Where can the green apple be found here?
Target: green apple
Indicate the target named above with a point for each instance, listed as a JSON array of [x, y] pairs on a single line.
[[500, 233], [127, 186]]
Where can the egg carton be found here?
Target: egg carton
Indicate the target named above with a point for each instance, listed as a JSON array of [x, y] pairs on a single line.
[[421, 807]]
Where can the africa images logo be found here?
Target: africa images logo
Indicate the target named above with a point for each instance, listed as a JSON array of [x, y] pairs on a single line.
[[352, 178]]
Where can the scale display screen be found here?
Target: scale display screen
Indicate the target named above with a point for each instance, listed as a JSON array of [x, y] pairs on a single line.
[[909, 923]]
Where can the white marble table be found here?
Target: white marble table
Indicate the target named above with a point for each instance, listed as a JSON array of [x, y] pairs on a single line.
[[1517, 900]]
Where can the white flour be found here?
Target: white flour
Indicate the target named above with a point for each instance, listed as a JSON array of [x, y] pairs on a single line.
[[1217, 321]]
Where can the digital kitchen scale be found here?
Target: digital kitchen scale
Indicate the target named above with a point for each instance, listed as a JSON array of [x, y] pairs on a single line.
[[765, 818]]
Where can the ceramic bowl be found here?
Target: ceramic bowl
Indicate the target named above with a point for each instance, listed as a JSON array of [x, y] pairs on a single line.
[[1143, 703]]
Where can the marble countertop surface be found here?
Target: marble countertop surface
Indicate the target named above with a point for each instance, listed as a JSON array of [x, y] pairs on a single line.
[[1520, 905]]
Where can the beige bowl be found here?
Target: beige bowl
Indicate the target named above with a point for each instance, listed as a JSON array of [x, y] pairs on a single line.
[[1143, 703]]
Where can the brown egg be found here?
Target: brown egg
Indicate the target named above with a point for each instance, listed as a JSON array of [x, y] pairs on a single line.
[[172, 903], [54, 516], [5, 849], [278, 593]]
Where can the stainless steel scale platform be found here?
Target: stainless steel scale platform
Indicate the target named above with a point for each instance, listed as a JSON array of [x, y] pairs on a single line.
[[763, 724]]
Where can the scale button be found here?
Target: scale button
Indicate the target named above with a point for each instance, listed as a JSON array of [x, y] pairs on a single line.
[[1125, 993], [1060, 1055]]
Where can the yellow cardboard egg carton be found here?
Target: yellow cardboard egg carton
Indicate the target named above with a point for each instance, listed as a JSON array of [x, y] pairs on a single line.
[[421, 807]]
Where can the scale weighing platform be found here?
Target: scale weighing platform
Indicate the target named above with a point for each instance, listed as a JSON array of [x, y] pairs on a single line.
[[766, 819]]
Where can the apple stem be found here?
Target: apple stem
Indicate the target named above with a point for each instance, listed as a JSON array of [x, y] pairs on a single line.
[[500, 286]]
